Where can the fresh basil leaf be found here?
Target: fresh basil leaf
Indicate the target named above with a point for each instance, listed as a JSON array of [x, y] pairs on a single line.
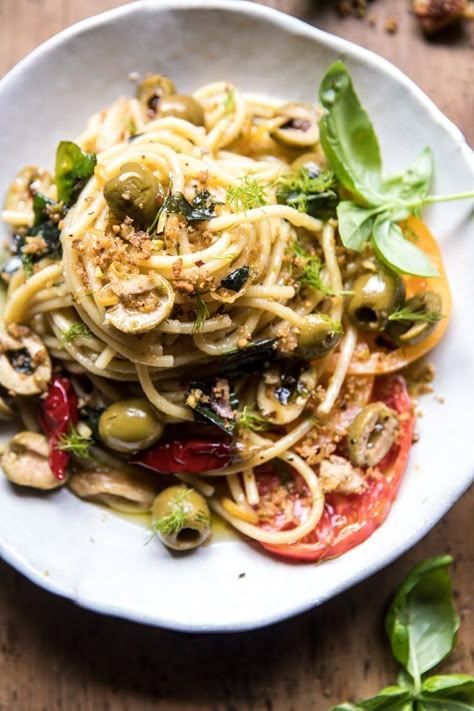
[[236, 280], [421, 622], [74, 167], [453, 692], [201, 208], [348, 137], [390, 699], [355, 224], [397, 252], [404, 680], [414, 183]]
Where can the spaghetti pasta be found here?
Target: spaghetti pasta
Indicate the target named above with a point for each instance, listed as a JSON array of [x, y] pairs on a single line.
[[184, 273]]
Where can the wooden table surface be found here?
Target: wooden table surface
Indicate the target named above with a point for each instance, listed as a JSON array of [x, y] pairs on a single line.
[[56, 656]]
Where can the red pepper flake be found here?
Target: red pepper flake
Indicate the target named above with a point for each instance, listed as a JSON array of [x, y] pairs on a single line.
[[199, 263]]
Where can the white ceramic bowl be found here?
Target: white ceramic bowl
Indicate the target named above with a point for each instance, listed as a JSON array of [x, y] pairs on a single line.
[[100, 560]]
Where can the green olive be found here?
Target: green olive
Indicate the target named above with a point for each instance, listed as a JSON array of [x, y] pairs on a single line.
[[130, 425], [317, 336], [133, 193], [297, 126], [371, 434], [409, 331], [181, 518], [376, 295], [151, 90], [183, 107]]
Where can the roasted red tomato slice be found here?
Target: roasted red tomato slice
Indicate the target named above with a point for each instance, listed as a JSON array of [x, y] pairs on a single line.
[[348, 520]]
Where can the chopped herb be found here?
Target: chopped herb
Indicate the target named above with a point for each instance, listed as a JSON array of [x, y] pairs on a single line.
[[249, 419], [309, 191], [200, 209], [27, 264], [77, 329], [311, 269], [75, 443], [176, 520], [408, 314], [229, 101], [202, 313], [74, 167], [248, 195], [236, 280]]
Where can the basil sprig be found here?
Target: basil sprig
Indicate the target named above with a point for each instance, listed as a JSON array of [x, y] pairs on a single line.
[[377, 205], [421, 625]]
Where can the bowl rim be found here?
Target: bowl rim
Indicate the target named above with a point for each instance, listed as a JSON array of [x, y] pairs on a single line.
[[297, 27]]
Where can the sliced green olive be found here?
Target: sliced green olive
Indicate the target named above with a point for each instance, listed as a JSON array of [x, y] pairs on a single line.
[[151, 90], [181, 518], [372, 434], [297, 126], [376, 295], [317, 336], [134, 192], [183, 107], [132, 314], [130, 425], [409, 331], [282, 395]]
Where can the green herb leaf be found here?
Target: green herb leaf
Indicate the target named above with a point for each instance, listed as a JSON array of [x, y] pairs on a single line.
[[248, 195], [74, 167], [75, 331], [75, 443], [407, 314], [421, 622], [241, 361], [229, 102], [176, 519], [310, 266], [27, 264], [249, 419], [348, 137], [236, 280], [214, 403], [200, 209], [390, 699], [309, 192], [202, 313], [355, 224], [414, 182], [453, 692], [397, 252]]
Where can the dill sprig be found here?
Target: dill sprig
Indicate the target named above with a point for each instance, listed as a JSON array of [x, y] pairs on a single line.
[[229, 101], [248, 195], [301, 187], [75, 443], [310, 265], [178, 516], [250, 420], [75, 331], [408, 314], [202, 313]]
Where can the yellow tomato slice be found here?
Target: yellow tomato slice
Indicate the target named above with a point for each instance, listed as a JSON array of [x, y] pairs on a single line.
[[369, 362]]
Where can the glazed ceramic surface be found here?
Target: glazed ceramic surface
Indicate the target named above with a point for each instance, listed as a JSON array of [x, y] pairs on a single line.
[[100, 560]]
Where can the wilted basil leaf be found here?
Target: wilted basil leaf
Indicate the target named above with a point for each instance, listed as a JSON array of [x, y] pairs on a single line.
[[214, 403], [235, 280], [201, 207], [74, 167]]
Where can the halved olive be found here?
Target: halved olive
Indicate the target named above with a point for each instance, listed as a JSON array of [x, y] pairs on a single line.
[[376, 296], [151, 90], [371, 434], [181, 518], [134, 192], [298, 126], [183, 107], [284, 391], [130, 425], [317, 336], [426, 309]]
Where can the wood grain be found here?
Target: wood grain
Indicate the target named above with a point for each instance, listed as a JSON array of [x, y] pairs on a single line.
[[55, 656]]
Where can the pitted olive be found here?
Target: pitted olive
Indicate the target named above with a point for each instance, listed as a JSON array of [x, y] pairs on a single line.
[[183, 107], [130, 425], [181, 518], [317, 336], [133, 193], [152, 89], [407, 332], [371, 434], [376, 295]]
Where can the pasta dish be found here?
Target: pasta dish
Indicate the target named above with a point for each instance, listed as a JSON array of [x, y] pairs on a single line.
[[207, 310]]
